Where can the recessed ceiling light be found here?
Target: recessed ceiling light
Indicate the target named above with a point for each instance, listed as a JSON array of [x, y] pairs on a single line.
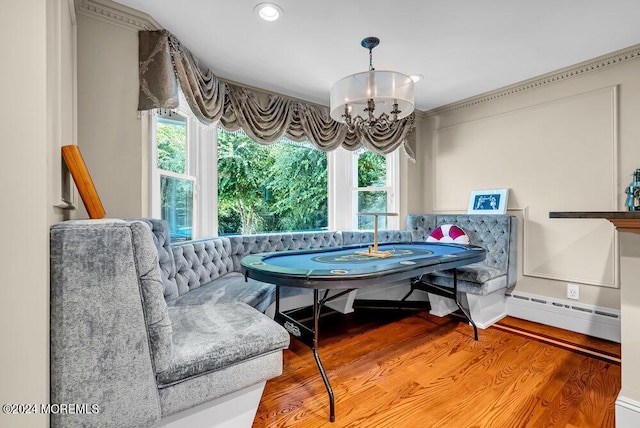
[[268, 11], [416, 77]]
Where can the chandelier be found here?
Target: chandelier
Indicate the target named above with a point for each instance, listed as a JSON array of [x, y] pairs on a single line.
[[371, 98]]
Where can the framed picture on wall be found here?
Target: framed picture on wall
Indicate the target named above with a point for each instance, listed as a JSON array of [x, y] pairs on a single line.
[[493, 201]]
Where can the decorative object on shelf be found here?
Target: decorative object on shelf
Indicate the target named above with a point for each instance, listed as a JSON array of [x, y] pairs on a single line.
[[488, 201], [371, 98], [84, 183], [633, 192], [373, 251]]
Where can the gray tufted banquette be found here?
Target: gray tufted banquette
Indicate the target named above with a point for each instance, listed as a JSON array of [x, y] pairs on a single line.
[[136, 331], [146, 328], [495, 233]]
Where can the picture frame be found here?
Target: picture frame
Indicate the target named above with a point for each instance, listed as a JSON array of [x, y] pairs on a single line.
[[491, 201]]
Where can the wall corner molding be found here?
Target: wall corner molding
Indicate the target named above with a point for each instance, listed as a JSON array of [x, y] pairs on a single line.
[[577, 70], [117, 14]]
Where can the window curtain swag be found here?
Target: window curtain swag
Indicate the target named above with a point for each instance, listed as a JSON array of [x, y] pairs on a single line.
[[164, 64]]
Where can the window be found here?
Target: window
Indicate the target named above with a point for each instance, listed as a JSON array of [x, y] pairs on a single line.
[[371, 192], [268, 188], [206, 181], [177, 186], [362, 181]]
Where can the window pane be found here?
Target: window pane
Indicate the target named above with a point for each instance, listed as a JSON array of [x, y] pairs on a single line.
[[171, 137], [268, 188], [177, 206], [372, 170], [372, 202]]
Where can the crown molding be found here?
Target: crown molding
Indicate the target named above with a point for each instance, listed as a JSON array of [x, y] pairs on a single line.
[[117, 14], [563, 74]]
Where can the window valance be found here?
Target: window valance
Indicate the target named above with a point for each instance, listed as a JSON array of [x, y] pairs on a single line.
[[164, 64]]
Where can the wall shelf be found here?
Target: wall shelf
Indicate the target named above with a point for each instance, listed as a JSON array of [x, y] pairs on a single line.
[[624, 221]]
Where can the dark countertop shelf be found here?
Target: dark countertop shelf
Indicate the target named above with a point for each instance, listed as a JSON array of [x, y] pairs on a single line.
[[594, 214], [624, 221]]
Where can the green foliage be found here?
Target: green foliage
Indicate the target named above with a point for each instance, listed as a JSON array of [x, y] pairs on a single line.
[[241, 176], [172, 146], [282, 187], [298, 184], [372, 170], [269, 188]]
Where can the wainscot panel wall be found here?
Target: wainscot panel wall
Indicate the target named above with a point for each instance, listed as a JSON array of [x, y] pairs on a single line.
[[565, 141], [569, 144], [540, 152]]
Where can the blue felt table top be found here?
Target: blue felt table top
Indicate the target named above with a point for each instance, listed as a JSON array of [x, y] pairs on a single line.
[[313, 267], [346, 258]]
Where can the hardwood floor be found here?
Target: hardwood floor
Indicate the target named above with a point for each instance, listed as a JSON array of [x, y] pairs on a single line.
[[411, 369]]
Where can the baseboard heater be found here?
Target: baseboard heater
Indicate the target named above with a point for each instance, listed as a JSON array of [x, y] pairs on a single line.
[[591, 320]]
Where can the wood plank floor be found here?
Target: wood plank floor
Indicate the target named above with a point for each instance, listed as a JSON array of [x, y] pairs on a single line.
[[411, 369]]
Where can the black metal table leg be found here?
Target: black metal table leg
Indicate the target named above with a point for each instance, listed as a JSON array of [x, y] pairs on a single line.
[[464, 311], [308, 336], [316, 316], [420, 284]]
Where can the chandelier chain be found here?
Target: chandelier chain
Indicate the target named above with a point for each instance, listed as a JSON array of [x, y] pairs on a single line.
[[371, 60]]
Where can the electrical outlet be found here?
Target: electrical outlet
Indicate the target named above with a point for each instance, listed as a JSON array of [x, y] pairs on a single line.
[[573, 291]]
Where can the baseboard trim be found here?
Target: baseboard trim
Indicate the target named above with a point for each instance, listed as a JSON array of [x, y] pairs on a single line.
[[591, 320], [627, 412]]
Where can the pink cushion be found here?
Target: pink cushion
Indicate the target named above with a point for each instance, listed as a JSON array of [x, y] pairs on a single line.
[[448, 233]]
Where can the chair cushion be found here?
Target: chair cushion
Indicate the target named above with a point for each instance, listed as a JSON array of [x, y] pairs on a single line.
[[230, 288], [210, 337]]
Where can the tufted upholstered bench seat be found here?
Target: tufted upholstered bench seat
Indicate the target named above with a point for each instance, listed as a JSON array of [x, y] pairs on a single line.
[[482, 285], [136, 330]]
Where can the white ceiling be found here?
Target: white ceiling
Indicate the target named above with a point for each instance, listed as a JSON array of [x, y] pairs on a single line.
[[462, 47]]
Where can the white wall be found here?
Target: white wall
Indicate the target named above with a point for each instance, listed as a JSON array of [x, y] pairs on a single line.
[[567, 144], [32, 83], [109, 129]]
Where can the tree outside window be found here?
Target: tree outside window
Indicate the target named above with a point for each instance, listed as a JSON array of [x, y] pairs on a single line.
[[372, 190], [268, 188]]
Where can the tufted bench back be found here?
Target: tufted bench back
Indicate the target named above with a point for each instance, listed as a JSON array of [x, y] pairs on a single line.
[[186, 266], [242, 245], [353, 237], [495, 233]]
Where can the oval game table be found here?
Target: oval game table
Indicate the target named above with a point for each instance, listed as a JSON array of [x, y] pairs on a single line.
[[349, 268]]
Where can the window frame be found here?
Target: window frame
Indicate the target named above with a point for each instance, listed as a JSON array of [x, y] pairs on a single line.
[[201, 168], [343, 189]]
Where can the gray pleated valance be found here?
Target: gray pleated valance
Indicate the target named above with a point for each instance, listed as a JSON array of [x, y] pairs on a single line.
[[165, 64]]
